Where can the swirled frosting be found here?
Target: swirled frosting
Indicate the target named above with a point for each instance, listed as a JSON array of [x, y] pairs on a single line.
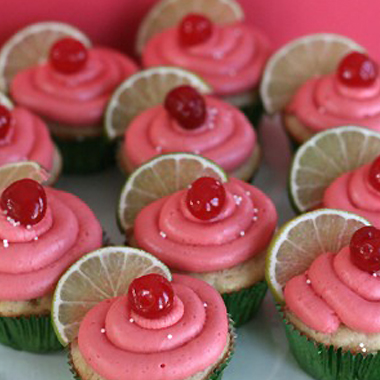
[[28, 140], [243, 229], [334, 292], [155, 132], [231, 61], [77, 100], [324, 102], [117, 346], [353, 192], [33, 259]]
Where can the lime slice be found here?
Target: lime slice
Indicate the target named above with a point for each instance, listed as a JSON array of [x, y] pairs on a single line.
[[100, 275], [144, 90], [10, 173], [325, 157], [168, 13], [4, 100], [162, 176], [300, 241], [30, 46], [298, 61]]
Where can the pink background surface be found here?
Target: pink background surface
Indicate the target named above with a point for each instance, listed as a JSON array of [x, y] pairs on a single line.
[[114, 22]]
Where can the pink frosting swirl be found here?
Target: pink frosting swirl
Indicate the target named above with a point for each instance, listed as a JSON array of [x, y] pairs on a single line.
[[78, 99], [117, 347], [353, 192], [333, 292], [28, 140], [325, 102], [155, 132], [33, 259], [231, 61], [243, 229]]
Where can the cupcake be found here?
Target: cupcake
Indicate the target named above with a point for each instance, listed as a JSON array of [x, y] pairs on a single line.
[[43, 231], [329, 297], [69, 85], [339, 169], [320, 82], [212, 40], [24, 136], [184, 120], [215, 231]]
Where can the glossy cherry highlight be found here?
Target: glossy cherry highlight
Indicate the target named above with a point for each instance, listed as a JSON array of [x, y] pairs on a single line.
[[357, 70], [151, 296], [374, 174], [195, 29], [365, 249], [24, 201], [205, 198], [5, 122], [187, 106], [68, 56]]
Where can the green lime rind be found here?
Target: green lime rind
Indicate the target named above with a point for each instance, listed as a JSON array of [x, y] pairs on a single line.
[[244, 304], [280, 237], [328, 362], [32, 334]]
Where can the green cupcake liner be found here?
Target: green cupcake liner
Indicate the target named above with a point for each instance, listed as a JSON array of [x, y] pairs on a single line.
[[90, 155], [216, 374], [32, 334], [329, 363], [244, 304], [254, 112]]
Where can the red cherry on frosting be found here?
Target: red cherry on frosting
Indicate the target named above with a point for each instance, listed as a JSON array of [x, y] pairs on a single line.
[[5, 122], [68, 56], [151, 296], [24, 201], [365, 249], [357, 70], [187, 106], [195, 29], [206, 198], [374, 174]]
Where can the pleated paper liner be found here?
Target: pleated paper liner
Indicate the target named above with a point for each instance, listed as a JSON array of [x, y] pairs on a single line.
[[328, 362], [33, 334], [244, 304], [217, 373]]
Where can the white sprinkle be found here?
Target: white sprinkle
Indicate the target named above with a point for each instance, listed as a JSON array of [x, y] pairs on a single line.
[[242, 233], [5, 243], [364, 349], [238, 199], [28, 227], [374, 274], [308, 281], [163, 234], [103, 331], [255, 218], [205, 304], [36, 238], [255, 210], [5, 212], [248, 193], [132, 320], [170, 336], [361, 345]]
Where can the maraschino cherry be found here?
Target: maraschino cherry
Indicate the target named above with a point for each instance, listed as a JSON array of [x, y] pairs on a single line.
[[365, 249], [5, 122], [68, 56], [195, 29], [187, 106], [374, 174], [151, 296], [24, 201], [205, 198], [357, 70]]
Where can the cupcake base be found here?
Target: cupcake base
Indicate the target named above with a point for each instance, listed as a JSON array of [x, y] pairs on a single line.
[[33, 334], [82, 371], [244, 304], [56, 169], [86, 155], [297, 132], [327, 362]]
